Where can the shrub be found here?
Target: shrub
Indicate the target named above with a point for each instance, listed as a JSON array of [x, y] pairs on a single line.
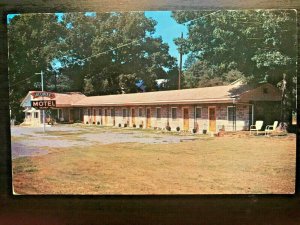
[[98, 123], [168, 128], [178, 128], [134, 125], [141, 125], [125, 124], [120, 125], [194, 130], [93, 122], [87, 122]]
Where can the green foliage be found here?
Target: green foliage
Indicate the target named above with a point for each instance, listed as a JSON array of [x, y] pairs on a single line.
[[233, 75], [224, 45], [253, 42], [124, 48], [33, 41], [102, 54]]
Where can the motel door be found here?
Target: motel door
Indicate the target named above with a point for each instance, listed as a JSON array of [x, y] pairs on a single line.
[[94, 112], [105, 116], [81, 115], [133, 116], [185, 119], [212, 119], [71, 116], [112, 113], [148, 118]]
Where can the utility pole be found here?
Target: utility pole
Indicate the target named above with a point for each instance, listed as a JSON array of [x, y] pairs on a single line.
[[42, 83], [283, 87], [180, 64]]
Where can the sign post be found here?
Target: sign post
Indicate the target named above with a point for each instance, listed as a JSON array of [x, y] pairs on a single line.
[[42, 83], [43, 104]]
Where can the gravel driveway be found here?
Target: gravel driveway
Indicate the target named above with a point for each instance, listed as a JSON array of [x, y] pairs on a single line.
[[29, 141]]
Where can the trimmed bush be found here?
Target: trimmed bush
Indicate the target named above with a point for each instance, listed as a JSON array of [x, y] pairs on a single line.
[[87, 122], [134, 125], [98, 123], [120, 125], [141, 125], [125, 124], [178, 128]]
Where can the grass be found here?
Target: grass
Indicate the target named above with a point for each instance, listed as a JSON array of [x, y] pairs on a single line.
[[93, 127], [225, 165], [24, 165]]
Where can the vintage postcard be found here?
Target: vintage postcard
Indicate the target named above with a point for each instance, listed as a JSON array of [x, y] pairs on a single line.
[[154, 102]]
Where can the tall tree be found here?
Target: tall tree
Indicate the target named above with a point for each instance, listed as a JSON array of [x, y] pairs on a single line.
[[257, 44], [104, 53], [253, 42], [114, 51], [33, 42]]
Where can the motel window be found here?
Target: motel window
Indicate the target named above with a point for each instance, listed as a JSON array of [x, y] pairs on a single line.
[[140, 112], [174, 113], [100, 112], [158, 113], [88, 112], [36, 115], [230, 113], [198, 112], [124, 113]]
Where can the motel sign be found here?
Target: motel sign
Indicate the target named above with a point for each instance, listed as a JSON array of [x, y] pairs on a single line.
[[38, 94], [43, 104]]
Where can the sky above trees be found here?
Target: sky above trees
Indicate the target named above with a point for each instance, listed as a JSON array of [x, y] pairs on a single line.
[[166, 27]]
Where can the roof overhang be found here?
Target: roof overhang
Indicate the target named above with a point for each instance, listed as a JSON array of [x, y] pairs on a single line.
[[181, 102]]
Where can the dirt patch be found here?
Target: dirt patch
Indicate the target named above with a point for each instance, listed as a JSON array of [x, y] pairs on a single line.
[[21, 150]]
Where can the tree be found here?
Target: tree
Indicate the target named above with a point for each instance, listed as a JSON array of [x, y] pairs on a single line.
[[121, 50], [253, 42], [33, 41], [106, 53], [257, 43]]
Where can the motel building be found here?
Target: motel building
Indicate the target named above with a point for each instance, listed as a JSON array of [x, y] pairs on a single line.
[[62, 112], [232, 107]]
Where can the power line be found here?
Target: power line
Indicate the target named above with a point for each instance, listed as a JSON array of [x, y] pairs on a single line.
[[22, 80], [102, 53], [202, 16], [121, 46]]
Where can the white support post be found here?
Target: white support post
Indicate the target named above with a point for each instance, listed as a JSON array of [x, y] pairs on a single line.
[[252, 114]]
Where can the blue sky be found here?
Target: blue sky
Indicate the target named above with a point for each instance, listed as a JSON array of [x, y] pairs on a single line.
[[166, 27]]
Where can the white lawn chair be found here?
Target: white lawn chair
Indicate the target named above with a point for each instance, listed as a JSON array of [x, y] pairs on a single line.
[[258, 125], [270, 128]]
